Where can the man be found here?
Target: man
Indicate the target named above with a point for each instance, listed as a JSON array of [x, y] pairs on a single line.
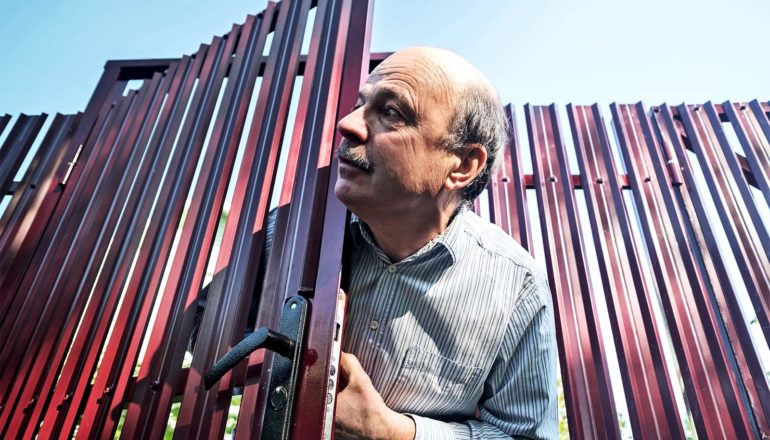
[[447, 314]]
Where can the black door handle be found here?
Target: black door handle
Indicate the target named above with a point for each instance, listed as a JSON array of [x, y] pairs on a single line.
[[263, 337], [283, 370]]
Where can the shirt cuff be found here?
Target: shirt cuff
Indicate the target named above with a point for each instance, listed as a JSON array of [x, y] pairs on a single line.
[[431, 429]]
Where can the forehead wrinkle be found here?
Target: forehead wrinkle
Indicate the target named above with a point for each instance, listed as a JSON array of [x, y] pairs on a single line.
[[424, 82]]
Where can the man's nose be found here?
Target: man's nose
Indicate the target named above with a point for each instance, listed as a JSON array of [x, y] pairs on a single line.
[[353, 126]]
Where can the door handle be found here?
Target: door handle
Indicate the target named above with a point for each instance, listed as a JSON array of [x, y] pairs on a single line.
[[288, 344]]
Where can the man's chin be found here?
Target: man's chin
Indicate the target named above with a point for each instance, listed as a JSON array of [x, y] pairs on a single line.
[[349, 194]]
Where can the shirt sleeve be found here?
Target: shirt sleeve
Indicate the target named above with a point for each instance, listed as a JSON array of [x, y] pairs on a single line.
[[519, 399]]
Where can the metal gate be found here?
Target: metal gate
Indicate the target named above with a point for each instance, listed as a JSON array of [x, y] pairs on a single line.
[[131, 243]]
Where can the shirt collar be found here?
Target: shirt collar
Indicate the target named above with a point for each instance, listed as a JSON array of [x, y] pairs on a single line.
[[447, 241]]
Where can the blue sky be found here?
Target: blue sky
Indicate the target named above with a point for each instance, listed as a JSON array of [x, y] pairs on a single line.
[[52, 52]]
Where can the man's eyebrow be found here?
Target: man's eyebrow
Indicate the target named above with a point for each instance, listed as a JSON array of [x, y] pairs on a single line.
[[383, 93]]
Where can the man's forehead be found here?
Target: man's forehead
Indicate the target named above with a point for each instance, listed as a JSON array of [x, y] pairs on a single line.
[[412, 79]]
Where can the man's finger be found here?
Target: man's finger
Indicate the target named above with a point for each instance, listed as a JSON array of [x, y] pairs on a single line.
[[349, 364]]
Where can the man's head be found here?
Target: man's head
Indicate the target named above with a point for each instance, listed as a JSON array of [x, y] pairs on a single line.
[[426, 131]]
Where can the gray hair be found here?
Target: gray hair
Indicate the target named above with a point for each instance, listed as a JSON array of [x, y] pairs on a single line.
[[479, 119]]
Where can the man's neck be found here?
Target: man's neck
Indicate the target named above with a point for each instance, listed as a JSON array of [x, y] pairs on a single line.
[[400, 236]]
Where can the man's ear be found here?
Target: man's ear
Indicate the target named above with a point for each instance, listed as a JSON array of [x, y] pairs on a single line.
[[471, 161]]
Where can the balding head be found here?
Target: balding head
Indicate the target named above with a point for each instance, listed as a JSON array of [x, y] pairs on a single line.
[[477, 115], [423, 137]]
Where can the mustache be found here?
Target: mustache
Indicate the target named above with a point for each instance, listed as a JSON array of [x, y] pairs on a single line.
[[346, 153]]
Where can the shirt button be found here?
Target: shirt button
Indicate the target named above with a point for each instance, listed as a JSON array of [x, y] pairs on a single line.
[[374, 325], [392, 268]]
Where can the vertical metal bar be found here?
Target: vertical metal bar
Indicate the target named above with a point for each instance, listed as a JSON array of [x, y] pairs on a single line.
[[714, 266], [508, 202], [342, 64], [84, 351], [694, 324], [750, 124], [122, 348], [243, 74], [71, 287], [735, 207], [4, 120], [645, 375], [142, 407], [141, 418], [7, 289], [591, 406], [27, 204], [170, 201], [16, 147], [235, 104], [22, 331], [77, 148]]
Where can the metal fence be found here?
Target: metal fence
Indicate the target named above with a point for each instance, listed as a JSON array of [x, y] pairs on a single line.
[[131, 238]]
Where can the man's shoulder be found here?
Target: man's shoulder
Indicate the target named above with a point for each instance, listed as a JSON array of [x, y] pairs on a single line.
[[503, 248]]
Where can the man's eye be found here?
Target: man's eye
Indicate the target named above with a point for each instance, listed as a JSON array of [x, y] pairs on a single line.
[[390, 112]]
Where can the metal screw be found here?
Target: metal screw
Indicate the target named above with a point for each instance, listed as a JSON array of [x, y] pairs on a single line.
[[599, 180], [155, 385], [647, 179], [278, 397], [505, 179], [552, 178]]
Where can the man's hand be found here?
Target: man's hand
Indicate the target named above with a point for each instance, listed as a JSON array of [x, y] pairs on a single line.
[[361, 412]]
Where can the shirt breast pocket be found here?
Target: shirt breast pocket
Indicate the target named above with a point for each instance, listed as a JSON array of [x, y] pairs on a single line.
[[429, 383]]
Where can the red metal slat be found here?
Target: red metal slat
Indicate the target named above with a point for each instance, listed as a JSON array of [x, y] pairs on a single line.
[[23, 206], [164, 356], [738, 213], [747, 357], [78, 148], [227, 307], [750, 125], [514, 190], [679, 280], [122, 348], [343, 63], [290, 267], [4, 120], [180, 173], [16, 147], [258, 166], [227, 133], [21, 329], [84, 352], [235, 284], [645, 375], [591, 408], [10, 285], [71, 288], [181, 166], [202, 412], [148, 416]]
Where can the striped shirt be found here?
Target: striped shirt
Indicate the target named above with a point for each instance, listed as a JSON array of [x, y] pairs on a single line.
[[464, 323]]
